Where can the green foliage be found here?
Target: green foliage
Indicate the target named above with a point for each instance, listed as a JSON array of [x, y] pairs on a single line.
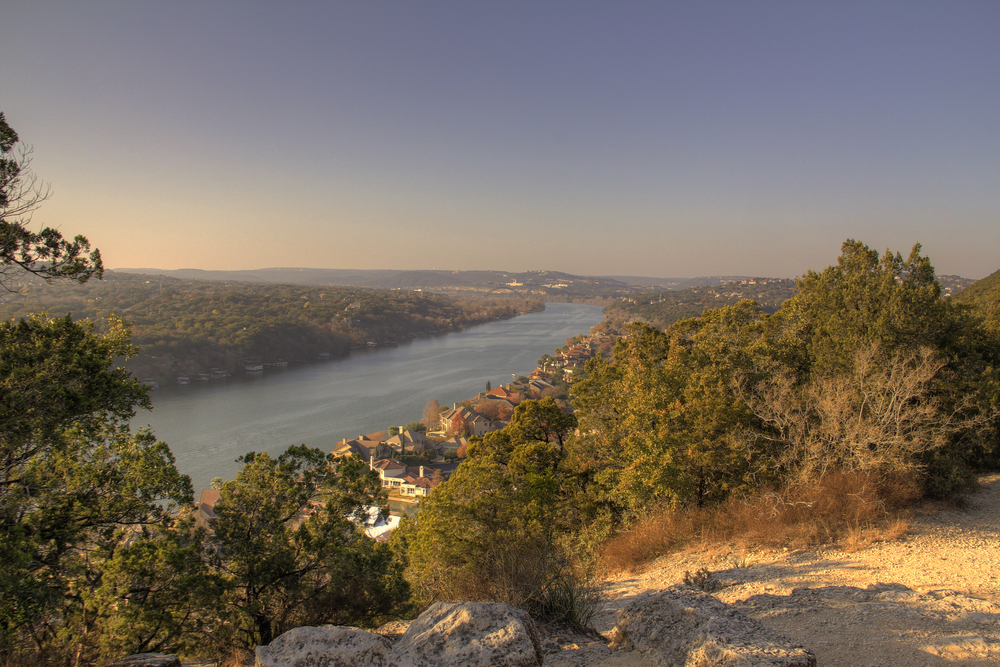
[[660, 422], [865, 370], [156, 595], [77, 483], [495, 529], [416, 427], [412, 460], [867, 301], [487, 534], [291, 552], [983, 297]]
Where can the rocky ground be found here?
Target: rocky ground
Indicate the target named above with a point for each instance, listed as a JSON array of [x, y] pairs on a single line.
[[932, 597]]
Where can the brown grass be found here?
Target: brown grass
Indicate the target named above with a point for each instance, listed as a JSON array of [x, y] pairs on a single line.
[[237, 658], [847, 510]]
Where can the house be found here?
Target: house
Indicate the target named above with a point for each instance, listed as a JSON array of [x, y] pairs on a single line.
[[537, 386], [388, 469], [204, 509], [406, 440], [475, 423], [458, 443], [406, 481], [364, 446], [504, 393]]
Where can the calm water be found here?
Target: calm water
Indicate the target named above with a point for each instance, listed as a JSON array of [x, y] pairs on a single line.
[[209, 424]]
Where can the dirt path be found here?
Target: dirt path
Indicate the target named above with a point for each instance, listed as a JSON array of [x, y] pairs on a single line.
[[930, 598]]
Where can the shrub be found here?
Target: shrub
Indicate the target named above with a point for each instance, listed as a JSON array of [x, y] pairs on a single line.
[[839, 507]]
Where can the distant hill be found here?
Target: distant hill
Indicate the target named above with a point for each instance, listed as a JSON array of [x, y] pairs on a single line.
[[286, 275], [187, 327], [952, 285], [984, 296], [647, 281], [549, 285], [986, 289], [661, 309]]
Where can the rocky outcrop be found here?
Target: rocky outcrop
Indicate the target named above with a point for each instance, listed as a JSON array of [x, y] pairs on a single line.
[[681, 625], [462, 634], [676, 626], [326, 646], [470, 634]]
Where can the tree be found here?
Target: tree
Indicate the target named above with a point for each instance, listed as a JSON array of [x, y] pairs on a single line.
[[546, 361], [291, 551], [79, 492], [416, 427], [43, 253], [866, 301], [432, 415], [542, 421], [75, 483], [487, 534], [459, 426], [659, 424]]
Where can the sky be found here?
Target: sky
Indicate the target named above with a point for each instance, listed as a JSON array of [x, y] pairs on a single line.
[[664, 139]]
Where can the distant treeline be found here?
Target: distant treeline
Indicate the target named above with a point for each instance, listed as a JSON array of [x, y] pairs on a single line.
[[186, 327]]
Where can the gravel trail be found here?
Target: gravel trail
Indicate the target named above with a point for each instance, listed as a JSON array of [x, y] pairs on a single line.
[[931, 597]]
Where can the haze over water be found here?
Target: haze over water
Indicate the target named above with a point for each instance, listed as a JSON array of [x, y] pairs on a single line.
[[209, 424]]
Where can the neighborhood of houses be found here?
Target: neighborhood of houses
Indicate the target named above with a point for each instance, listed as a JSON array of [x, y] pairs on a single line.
[[447, 437]]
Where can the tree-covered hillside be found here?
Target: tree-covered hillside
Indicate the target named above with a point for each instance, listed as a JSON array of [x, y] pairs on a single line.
[[186, 327], [661, 309], [984, 298]]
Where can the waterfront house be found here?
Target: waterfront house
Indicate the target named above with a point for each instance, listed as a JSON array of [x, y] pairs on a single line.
[[204, 510], [477, 424], [363, 445], [409, 481], [406, 440]]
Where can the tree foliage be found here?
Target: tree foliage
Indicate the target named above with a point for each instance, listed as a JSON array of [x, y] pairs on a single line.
[[866, 369], [290, 550], [44, 253], [76, 486], [494, 529]]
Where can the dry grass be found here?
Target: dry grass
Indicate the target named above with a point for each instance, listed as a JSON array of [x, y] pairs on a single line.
[[847, 510], [237, 658]]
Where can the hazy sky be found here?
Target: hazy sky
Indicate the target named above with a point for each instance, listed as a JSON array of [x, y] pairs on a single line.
[[640, 138]]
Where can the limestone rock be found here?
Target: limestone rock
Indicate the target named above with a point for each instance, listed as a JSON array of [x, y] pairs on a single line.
[[325, 646], [681, 625], [148, 660], [470, 634]]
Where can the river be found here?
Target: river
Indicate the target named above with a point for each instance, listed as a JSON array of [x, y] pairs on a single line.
[[209, 424]]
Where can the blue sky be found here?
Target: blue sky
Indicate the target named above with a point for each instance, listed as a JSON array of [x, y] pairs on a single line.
[[640, 138]]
